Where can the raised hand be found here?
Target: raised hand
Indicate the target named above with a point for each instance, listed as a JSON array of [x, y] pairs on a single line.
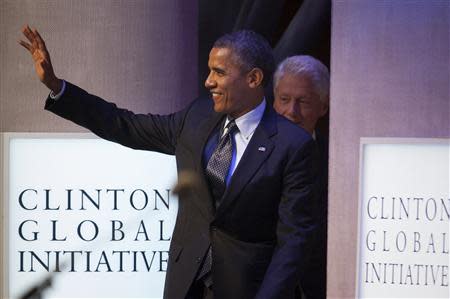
[[41, 58]]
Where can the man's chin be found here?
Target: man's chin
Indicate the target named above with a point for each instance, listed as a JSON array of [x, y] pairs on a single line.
[[218, 108]]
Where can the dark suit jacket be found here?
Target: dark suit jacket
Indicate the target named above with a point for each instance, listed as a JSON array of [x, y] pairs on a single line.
[[313, 283], [261, 232]]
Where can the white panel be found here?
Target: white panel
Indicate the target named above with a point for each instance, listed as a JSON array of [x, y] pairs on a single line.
[[404, 219], [47, 167]]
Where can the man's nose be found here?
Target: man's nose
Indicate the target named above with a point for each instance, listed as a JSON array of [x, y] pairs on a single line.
[[294, 109], [294, 112], [209, 82]]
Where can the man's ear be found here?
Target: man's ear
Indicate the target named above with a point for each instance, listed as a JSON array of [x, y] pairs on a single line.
[[255, 77], [324, 109]]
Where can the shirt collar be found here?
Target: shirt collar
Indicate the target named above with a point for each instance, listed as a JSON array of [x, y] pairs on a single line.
[[248, 122]]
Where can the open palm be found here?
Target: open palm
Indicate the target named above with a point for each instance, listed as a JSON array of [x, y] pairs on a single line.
[[41, 58]]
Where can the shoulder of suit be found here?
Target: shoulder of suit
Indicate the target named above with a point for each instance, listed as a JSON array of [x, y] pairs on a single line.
[[202, 104], [290, 131]]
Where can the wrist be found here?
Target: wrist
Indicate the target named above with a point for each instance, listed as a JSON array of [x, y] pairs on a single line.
[[55, 85]]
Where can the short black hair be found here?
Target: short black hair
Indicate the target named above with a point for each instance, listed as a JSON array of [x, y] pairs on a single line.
[[251, 49]]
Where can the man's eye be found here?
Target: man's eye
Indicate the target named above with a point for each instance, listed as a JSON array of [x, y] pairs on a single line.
[[218, 72], [284, 100], [305, 101]]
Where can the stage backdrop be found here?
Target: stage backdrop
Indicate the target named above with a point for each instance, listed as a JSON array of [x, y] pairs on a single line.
[[389, 78], [139, 54]]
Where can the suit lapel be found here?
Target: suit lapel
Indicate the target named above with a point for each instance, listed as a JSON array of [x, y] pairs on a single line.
[[257, 151]]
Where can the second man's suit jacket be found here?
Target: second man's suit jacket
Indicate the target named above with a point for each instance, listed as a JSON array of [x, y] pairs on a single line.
[[262, 232]]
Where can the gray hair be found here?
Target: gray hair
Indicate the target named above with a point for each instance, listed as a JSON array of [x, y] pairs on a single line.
[[252, 50], [309, 66]]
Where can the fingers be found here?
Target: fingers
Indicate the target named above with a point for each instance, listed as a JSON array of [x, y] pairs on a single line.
[[35, 39], [28, 33], [35, 42], [31, 47], [26, 46], [39, 39], [33, 36]]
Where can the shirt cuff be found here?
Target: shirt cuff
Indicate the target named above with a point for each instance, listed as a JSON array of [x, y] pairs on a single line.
[[54, 96]]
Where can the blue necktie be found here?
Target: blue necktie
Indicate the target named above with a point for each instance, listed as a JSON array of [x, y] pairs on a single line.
[[219, 164], [216, 171]]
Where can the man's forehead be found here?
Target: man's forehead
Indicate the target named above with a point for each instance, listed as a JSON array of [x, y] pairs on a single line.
[[221, 50], [296, 85], [223, 56], [295, 80], [303, 76]]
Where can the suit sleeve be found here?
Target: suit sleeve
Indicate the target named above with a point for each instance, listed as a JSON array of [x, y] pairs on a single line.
[[298, 221], [138, 131]]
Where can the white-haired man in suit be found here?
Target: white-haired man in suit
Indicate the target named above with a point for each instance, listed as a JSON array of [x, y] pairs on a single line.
[[301, 89]]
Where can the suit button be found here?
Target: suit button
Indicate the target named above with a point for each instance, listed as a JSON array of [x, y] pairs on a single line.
[[214, 229], [198, 260]]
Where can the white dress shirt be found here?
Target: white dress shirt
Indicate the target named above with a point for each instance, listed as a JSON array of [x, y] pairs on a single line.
[[57, 96], [247, 124]]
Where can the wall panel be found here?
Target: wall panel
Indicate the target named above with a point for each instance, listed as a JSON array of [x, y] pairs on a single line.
[[139, 54], [390, 69]]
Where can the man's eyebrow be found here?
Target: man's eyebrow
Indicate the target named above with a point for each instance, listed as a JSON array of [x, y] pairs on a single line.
[[218, 70]]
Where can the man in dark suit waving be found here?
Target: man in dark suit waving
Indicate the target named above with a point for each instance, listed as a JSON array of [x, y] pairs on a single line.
[[245, 230]]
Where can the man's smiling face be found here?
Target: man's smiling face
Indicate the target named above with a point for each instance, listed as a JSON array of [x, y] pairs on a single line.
[[297, 100], [228, 83]]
